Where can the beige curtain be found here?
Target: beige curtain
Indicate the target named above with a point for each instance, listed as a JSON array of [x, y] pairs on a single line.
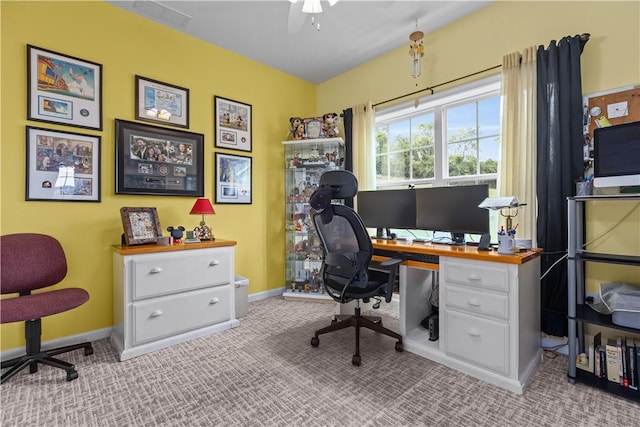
[[517, 171], [363, 146]]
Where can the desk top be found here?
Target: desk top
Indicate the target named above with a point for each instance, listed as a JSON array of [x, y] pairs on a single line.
[[153, 248], [462, 251]]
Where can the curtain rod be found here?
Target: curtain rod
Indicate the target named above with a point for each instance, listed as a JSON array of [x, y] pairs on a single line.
[[438, 85]]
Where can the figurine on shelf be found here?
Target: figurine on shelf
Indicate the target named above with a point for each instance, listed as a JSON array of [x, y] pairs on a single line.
[[177, 234], [330, 125], [299, 132], [294, 122]]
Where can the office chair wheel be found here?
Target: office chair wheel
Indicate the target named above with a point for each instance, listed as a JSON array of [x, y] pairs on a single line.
[[399, 346], [315, 342], [356, 360], [88, 351], [72, 375]]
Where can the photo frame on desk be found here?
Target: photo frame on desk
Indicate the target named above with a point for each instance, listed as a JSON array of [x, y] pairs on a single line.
[[233, 179], [152, 160], [63, 89], [141, 225]]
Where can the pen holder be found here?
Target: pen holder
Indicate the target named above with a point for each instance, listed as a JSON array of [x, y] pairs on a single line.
[[584, 188], [506, 244]]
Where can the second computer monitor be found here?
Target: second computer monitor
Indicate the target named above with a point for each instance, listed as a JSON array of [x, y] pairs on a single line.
[[386, 209]]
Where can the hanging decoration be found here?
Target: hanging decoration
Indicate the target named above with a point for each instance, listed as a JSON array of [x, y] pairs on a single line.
[[416, 52]]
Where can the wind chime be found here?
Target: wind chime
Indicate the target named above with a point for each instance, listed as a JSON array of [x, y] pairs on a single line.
[[416, 52]]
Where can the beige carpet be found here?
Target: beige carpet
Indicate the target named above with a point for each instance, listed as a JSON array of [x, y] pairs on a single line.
[[265, 373]]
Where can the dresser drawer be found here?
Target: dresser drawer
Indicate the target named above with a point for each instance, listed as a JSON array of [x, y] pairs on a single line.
[[480, 274], [477, 302], [481, 342], [161, 274], [165, 316]]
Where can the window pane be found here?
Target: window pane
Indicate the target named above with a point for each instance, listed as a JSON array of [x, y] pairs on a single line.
[[463, 159], [423, 163], [489, 116], [489, 155], [461, 122], [422, 128], [399, 166], [399, 135]]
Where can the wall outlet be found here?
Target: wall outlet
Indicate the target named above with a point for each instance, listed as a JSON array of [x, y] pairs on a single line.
[[592, 298]]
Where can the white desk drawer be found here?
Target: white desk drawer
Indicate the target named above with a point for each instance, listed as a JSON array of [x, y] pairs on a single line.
[[477, 274], [477, 302], [481, 342], [161, 274], [165, 316]]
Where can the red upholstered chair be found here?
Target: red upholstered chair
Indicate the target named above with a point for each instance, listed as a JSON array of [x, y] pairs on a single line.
[[29, 262]]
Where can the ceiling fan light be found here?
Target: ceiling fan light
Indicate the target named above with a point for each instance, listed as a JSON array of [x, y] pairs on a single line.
[[312, 6]]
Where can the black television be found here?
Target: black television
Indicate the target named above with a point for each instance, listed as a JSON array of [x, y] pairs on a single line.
[[453, 209], [387, 209], [616, 155]]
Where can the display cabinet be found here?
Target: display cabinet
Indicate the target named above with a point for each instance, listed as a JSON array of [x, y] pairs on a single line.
[[579, 313], [305, 161]]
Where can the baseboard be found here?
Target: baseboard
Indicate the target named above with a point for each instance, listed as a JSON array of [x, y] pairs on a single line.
[[61, 342], [266, 294]]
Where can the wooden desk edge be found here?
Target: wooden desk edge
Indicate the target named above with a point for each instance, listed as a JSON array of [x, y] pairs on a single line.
[[152, 248]]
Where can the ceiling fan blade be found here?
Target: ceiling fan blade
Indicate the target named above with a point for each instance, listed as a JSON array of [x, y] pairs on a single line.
[[296, 17]]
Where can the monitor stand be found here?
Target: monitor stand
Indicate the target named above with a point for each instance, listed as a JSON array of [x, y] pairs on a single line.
[[457, 239], [384, 234]]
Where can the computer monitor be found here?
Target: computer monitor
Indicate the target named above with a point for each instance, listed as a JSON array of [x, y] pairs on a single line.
[[453, 209], [386, 209], [616, 155]]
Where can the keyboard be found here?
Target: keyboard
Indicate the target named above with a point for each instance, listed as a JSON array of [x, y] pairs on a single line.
[[411, 256]]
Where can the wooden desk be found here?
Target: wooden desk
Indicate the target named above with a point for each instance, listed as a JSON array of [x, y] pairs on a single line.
[[489, 310]]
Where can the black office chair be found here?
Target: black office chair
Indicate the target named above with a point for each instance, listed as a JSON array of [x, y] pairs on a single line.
[[30, 262], [346, 271]]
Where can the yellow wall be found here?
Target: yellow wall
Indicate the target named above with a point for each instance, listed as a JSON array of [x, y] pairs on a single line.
[[126, 45]]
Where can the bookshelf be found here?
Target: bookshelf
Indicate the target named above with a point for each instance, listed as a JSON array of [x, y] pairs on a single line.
[[579, 313]]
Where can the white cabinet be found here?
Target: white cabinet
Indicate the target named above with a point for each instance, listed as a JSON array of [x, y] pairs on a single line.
[[164, 295], [489, 316]]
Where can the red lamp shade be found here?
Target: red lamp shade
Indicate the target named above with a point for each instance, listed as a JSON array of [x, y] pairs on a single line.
[[202, 206]]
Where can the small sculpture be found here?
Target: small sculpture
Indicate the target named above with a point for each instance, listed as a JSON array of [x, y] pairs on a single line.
[[177, 234]]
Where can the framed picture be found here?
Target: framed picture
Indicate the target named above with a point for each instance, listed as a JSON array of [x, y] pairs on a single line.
[[159, 102], [141, 225], [232, 124], [155, 160], [233, 179], [62, 166], [63, 89]]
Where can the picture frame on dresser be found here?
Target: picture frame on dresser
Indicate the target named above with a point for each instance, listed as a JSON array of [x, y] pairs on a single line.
[[141, 225], [233, 123], [162, 103], [233, 179], [62, 166], [63, 89], [153, 160]]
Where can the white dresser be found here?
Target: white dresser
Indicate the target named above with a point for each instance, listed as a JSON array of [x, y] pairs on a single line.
[[164, 295]]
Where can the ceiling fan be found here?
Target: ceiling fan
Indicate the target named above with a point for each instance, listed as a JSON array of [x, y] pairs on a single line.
[[300, 9]]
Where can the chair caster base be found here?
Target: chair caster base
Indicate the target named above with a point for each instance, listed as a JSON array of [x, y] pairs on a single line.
[[356, 360], [72, 375], [315, 341], [399, 346]]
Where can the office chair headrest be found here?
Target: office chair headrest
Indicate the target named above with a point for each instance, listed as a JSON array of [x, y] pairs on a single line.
[[339, 184]]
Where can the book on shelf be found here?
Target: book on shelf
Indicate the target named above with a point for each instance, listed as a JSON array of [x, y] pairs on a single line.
[[612, 361], [621, 343], [632, 367]]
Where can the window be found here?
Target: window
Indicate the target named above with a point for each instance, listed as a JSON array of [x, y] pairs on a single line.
[[452, 138]]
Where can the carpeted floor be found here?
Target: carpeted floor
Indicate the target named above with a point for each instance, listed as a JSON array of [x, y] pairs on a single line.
[[265, 373]]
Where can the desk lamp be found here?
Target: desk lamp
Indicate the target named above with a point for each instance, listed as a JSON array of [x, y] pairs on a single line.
[[203, 207], [508, 207]]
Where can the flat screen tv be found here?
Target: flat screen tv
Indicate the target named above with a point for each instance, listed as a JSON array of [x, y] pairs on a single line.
[[453, 209], [387, 209], [616, 155]]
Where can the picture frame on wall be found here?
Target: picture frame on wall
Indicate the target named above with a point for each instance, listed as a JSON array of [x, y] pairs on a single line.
[[62, 166], [233, 182], [63, 89], [233, 123], [163, 103], [141, 225], [153, 160]]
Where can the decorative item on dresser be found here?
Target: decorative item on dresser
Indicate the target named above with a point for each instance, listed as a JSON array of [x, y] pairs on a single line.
[[203, 207], [165, 295], [141, 225]]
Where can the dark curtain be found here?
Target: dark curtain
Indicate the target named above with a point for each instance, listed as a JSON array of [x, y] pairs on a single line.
[[560, 164], [347, 120]]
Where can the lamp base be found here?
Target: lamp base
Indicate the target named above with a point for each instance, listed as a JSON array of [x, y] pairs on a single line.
[[204, 232]]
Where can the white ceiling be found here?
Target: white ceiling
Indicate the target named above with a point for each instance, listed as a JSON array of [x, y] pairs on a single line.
[[351, 32]]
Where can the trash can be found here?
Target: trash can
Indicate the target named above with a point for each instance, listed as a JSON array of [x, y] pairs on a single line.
[[242, 295]]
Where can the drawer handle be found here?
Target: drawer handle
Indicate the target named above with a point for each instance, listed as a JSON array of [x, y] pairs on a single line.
[[214, 301], [156, 313], [474, 303], [474, 332], [474, 277], [214, 263], [155, 270]]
